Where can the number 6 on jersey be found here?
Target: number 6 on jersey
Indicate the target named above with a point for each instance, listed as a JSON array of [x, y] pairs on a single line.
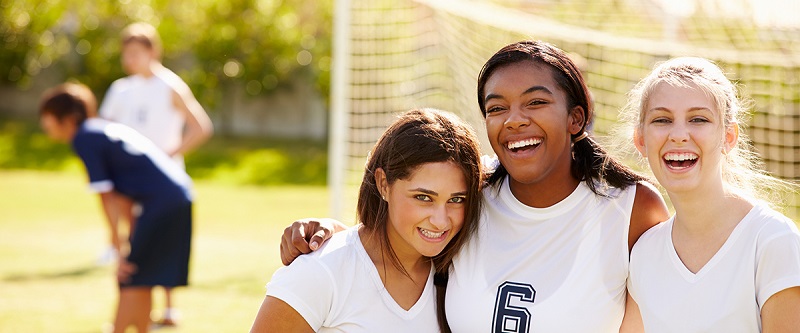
[[509, 318]]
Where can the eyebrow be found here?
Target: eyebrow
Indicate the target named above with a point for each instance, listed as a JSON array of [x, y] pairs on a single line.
[[527, 91], [696, 108], [427, 191]]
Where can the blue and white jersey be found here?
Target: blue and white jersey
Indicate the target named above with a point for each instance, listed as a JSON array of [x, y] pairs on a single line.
[[557, 269], [119, 158]]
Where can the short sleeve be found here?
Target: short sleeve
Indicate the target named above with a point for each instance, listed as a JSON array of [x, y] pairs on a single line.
[[778, 266], [90, 150], [307, 286]]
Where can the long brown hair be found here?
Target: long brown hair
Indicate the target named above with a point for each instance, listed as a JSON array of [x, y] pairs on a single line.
[[591, 163], [417, 137]]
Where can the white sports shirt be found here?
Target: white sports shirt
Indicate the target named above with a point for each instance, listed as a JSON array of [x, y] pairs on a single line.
[[760, 258], [337, 289], [145, 104], [557, 269]]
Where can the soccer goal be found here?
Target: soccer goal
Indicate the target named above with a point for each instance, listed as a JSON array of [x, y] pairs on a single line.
[[393, 55]]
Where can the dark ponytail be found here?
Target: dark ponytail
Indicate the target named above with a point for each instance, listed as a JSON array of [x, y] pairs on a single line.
[[592, 163], [440, 282]]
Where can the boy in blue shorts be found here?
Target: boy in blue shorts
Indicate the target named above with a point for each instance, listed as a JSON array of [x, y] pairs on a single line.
[[121, 163]]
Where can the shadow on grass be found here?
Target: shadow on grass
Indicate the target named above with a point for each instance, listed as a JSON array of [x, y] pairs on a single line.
[[80, 271]]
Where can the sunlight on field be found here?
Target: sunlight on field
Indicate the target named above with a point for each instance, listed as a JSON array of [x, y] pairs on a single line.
[[52, 232]]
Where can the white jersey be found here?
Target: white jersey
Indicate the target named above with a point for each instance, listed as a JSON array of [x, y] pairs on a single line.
[[145, 104], [760, 258], [337, 289], [557, 269]]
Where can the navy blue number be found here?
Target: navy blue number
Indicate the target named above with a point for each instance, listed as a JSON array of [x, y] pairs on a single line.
[[509, 318]]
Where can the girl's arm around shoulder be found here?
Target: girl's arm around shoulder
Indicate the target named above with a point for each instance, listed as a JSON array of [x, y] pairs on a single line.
[[649, 209]]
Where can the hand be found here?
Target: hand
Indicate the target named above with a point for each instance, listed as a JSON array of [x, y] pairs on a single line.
[[125, 270], [306, 235]]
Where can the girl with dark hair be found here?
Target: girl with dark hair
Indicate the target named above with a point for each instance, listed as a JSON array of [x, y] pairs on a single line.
[[122, 163], [418, 203], [559, 216]]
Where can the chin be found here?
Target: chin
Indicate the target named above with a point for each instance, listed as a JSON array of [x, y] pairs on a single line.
[[430, 253]]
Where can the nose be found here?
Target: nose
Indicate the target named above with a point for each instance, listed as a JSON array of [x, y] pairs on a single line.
[[517, 118], [679, 133], [439, 218]]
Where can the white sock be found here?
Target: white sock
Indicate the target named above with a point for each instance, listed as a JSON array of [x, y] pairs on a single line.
[[171, 313]]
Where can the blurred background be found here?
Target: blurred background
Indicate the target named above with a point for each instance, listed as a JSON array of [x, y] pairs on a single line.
[[298, 92]]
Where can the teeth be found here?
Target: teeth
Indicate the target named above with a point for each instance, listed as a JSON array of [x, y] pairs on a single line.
[[431, 234], [680, 156], [524, 143]]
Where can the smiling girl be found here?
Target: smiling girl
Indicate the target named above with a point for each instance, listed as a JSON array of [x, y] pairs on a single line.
[[559, 217], [725, 262], [418, 203]]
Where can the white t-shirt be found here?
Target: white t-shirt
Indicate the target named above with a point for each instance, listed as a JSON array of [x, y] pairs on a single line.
[[760, 258], [337, 289], [557, 269], [145, 104]]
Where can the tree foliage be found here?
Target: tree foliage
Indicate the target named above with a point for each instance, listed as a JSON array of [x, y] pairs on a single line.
[[260, 45]]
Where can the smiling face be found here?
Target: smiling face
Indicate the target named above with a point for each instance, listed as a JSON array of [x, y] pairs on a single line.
[[683, 138], [529, 122], [426, 210]]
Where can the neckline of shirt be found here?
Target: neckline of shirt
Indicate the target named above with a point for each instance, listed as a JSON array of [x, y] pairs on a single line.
[[376, 280], [564, 206], [717, 257]]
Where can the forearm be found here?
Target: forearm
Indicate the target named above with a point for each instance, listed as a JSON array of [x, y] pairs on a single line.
[[193, 137], [198, 125], [112, 215]]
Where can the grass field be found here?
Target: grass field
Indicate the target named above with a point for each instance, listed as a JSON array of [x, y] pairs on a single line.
[[51, 231]]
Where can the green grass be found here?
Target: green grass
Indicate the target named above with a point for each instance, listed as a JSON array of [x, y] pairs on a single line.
[[51, 231]]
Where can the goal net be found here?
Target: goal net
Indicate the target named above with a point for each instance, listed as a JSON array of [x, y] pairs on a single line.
[[393, 55]]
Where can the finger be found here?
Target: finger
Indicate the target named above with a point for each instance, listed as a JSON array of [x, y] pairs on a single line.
[[286, 259], [299, 244], [318, 238]]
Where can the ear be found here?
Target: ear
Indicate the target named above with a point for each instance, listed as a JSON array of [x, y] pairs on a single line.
[[731, 137], [381, 183], [638, 141], [576, 120]]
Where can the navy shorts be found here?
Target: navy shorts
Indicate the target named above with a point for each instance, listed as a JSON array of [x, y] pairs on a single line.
[[161, 243]]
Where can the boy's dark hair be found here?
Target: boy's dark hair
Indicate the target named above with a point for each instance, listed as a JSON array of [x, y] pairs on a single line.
[[69, 101]]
